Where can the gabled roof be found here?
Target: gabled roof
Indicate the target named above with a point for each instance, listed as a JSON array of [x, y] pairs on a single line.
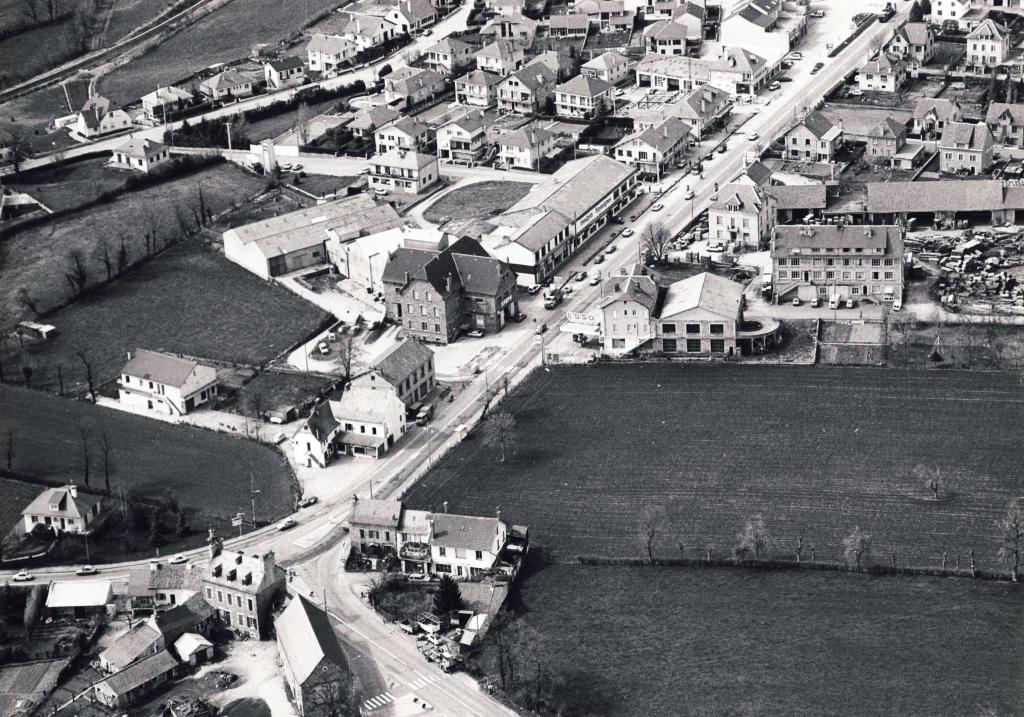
[[942, 196], [464, 532], [402, 360], [406, 80], [176, 620], [141, 672], [888, 129], [966, 135], [916, 33], [883, 65], [638, 288], [370, 118], [189, 644], [227, 79], [306, 639], [79, 593], [129, 646], [744, 196], [141, 148], [667, 30], [853, 236], [408, 125], [159, 367], [166, 95], [67, 505], [372, 511], [321, 422], [480, 275], [583, 86], [944, 109], [480, 78], [185, 576], [554, 61], [665, 136], [469, 122], [361, 404], [534, 75], [528, 137], [365, 25], [331, 45], [798, 196], [758, 172], [996, 111], [605, 61], [286, 63], [500, 50], [706, 291], [819, 125], [449, 46], [403, 159], [533, 227], [989, 29], [575, 188], [416, 10], [571, 21]]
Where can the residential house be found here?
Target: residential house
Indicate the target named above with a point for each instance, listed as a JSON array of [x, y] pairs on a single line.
[[610, 67], [193, 615], [64, 510], [988, 45], [700, 315], [965, 148], [284, 72], [541, 232], [465, 546], [914, 43], [227, 85], [885, 140], [525, 147], [406, 133], [628, 305], [815, 139], [882, 74], [141, 640], [174, 584], [571, 25], [412, 16], [514, 27], [478, 89], [401, 171], [373, 525], [526, 91], [140, 154], [844, 260], [98, 116], [366, 421], [408, 86], [166, 384], [368, 120], [303, 238], [433, 294], [368, 31], [703, 108], [656, 151], [464, 139], [931, 115], [667, 37], [766, 27], [735, 70], [945, 10], [136, 681], [165, 100], [507, 8], [583, 97], [314, 665], [407, 369], [742, 213], [1006, 122], [562, 65], [242, 588], [327, 54], [448, 56], [606, 15], [653, 10], [501, 57]]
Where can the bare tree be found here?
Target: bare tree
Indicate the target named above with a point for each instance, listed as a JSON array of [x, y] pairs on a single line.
[[83, 434], [10, 449], [652, 520], [302, 118], [655, 240], [30, 9], [753, 539], [122, 257], [254, 404], [931, 480], [106, 455], [76, 275], [27, 302], [80, 28], [500, 432], [346, 352], [1012, 527], [105, 257], [856, 547], [88, 373]]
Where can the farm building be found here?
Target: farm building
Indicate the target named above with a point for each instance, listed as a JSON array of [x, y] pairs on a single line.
[[78, 598], [193, 649], [137, 680]]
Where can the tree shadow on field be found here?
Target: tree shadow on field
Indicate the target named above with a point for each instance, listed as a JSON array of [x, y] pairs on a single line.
[[536, 560], [586, 693]]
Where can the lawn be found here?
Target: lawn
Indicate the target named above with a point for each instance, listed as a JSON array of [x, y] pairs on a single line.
[[37, 110], [70, 185], [36, 257], [30, 52], [815, 450], [225, 34], [719, 641], [17, 494], [476, 201], [205, 470], [279, 390], [189, 300]]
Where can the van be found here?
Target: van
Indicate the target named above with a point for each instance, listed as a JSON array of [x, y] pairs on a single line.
[[424, 415], [833, 301]]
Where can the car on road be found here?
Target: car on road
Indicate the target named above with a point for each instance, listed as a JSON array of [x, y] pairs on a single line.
[[535, 289], [818, 13], [581, 275], [288, 167], [796, 301], [657, 207], [610, 249], [620, 92], [817, 66], [595, 281], [178, 559], [23, 576], [86, 570], [311, 500], [475, 334], [286, 524], [850, 303], [627, 232], [541, 328], [722, 148], [297, 167], [599, 259], [785, 78], [380, 191], [794, 56], [690, 194], [775, 86], [815, 302], [753, 136]]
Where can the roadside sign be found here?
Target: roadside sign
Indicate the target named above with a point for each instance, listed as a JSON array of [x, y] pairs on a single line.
[[236, 522]]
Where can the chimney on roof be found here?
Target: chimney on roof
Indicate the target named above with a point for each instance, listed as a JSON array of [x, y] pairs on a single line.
[[129, 355], [445, 506], [497, 513], [448, 287], [406, 277], [73, 490]]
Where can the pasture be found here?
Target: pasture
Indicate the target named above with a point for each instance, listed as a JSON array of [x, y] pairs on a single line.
[[188, 300], [638, 641], [477, 201], [814, 450]]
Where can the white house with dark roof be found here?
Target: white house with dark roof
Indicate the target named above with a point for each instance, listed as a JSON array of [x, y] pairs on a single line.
[[914, 42], [525, 147], [64, 510], [814, 139], [139, 154], [284, 72], [408, 86], [525, 91], [965, 148], [165, 99], [411, 16], [931, 115], [448, 56], [242, 588], [667, 37], [741, 213], [581, 96], [405, 172], [369, 119], [227, 85], [369, 421], [656, 150], [1006, 123], [561, 64], [628, 304], [161, 383], [329, 53], [943, 10], [407, 369], [135, 682], [463, 140], [516, 27], [99, 116], [501, 57], [404, 134], [140, 640], [570, 25], [988, 45], [313, 663], [366, 31], [477, 89], [883, 74], [611, 67]]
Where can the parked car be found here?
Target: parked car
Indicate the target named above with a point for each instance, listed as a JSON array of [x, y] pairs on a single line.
[[796, 301], [716, 246], [286, 524], [420, 577], [657, 207], [815, 302], [856, 92], [519, 317], [23, 576], [311, 500], [288, 167], [610, 249], [535, 289], [850, 303], [818, 13], [753, 136], [178, 559], [775, 85], [86, 570], [380, 191], [406, 626], [475, 333], [297, 167], [424, 415], [793, 56], [323, 348], [785, 78], [595, 281], [817, 66], [581, 275], [721, 148], [599, 259], [690, 194], [627, 232], [541, 328]]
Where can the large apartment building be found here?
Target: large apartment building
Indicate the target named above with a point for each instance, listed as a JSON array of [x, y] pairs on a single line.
[[242, 588]]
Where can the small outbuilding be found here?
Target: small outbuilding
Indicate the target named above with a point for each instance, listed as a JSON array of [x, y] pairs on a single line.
[[79, 598], [193, 649]]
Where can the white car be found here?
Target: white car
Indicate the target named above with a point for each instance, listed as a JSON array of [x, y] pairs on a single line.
[[627, 232], [897, 305], [856, 92], [86, 570], [286, 524], [380, 191], [753, 136], [657, 207], [288, 167], [23, 576], [689, 194], [178, 559]]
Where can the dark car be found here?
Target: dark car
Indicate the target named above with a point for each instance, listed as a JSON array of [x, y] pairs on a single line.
[[785, 78], [817, 67]]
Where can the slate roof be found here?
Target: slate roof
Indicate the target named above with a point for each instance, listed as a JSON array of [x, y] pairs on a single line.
[[534, 75], [481, 275], [944, 109], [141, 672], [67, 506], [640, 289], [140, 148], [666, 135], [159, 367], [605, 61], [321, 422], [331, 44], [571, 21], [833, 236], [372, 511], [996, 110], [798, 196], [306, 638], [888, 128], [178, 619], [706, 291], [370, 118], [528, 137], [748, 198], [883, 65], [286, 63], [404, 358], [758, 172], [536, 226], [464, 532], [819, 125], [466, 262], [989, 29], [129, 646], [583, 86], [966, 135], [480, 78]]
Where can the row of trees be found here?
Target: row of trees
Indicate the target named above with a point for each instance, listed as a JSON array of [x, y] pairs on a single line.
[[856, 550]]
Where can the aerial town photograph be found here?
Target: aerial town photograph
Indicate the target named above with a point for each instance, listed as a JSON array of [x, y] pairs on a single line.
[[498, 358]]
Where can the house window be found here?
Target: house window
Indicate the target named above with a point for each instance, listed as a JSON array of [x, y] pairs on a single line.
[[618, 343], [250, 604], [693, 328], [693, 346], [718, 346], [441, 551], [718, 328], [668, 328], [668, 346], [209, 594], [220, 596], [479, 555]]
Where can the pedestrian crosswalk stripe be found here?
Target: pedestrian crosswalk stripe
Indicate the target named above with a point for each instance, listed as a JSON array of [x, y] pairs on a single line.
[[378, 701]]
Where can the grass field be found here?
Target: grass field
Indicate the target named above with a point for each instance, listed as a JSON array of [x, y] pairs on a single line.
[[16, 495], [278, 390], [33, 51], [706, 641], [815, 450], [225, 34], [189, 300], [477, 201], [37, 110], [35, 258], [70, 185], [204, 469]]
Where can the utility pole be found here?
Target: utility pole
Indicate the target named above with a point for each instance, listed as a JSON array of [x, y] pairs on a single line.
[[252, 496], [228, 125]]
